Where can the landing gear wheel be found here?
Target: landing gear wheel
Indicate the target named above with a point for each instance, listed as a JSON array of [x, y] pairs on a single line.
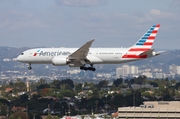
[[88, 68], [81, 68], [93, 69], [29, 68]]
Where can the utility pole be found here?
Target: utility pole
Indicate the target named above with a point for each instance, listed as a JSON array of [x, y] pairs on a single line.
[[134, 103], [106, 105], [7, 112], [27, 112], [69, 109], [48, 109], [34, 116]]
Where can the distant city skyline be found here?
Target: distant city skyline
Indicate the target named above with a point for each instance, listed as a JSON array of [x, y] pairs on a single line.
[[119, 71], [71, 23]]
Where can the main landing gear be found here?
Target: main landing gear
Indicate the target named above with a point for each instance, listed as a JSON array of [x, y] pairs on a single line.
[[29, 67], [88, 68]]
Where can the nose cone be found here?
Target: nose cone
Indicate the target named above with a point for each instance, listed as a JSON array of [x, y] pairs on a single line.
[[19, 58]]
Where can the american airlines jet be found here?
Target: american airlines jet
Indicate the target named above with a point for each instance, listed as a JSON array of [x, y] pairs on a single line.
[[83, 56]]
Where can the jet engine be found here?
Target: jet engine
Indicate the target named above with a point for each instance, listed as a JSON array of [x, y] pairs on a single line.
[[60, 61]]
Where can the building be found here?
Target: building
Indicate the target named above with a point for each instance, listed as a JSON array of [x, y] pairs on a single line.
[[138, 86], [133, 70], [119, 72], [7, 90], [178, 70], [152, 110], [16, 109], [173, 69], [125, 70]]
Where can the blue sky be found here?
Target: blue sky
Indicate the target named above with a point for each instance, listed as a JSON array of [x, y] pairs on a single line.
[[71, 23]]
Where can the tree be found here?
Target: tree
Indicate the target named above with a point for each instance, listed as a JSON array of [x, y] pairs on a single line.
[[56, 117], [45, 91], [3, 108], [68, 82], [18, 115], [118, 82], [49, 117], [56, 83], [67, 93], [141, 80], [154, 84], [166, 95], [132, 81], [177, 85], [103, 83], [42, 81], [4, 101], [78, 87], [19, 118], [18, 86], [146, 94], [24, 98], [42, 86]]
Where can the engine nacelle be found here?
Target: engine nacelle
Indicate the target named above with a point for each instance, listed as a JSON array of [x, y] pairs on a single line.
[[59, 61]]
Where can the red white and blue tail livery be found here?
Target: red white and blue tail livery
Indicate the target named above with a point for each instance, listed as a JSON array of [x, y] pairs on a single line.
[[83, 56], [143, 47]]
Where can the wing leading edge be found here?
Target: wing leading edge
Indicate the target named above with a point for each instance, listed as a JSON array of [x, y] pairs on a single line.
[[79, 56], [82, 52]]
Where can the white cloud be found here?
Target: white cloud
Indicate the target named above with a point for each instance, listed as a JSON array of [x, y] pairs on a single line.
[[175, 4], [80, 3], [155, 12], [27, 24], [14, 20], [15, 25]]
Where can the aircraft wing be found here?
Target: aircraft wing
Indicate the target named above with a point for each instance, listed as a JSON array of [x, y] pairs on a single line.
[[82, 52]]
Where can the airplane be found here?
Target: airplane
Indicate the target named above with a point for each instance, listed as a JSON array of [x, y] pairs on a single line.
[[83, 56]]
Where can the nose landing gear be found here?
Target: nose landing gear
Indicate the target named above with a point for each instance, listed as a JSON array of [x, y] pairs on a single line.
[[29, 67]]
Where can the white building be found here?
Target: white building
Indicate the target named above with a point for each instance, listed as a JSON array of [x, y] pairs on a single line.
[[119, 72], [137, 86], [133, 70], [126, 70], [178, 70], [73, 71], [151, 110], [173, 69], [147, 74], [105, 75]]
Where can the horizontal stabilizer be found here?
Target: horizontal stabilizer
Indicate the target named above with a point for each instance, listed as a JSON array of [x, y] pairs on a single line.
[[160, 52], [146, 52]]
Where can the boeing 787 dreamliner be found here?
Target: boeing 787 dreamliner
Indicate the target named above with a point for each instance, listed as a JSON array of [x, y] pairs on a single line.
[[83, 56]]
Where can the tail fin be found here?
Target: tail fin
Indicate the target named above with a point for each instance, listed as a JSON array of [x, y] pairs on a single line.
[[146, 41], [142, 48]]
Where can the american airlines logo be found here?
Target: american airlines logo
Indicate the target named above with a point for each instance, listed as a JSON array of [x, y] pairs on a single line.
[[36, 53], [51, 53]]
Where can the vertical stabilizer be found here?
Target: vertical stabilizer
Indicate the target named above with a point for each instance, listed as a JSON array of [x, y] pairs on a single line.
[[144, 44], [147, 40]]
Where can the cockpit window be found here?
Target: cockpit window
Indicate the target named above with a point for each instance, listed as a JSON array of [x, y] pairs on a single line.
[[22, 53]]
